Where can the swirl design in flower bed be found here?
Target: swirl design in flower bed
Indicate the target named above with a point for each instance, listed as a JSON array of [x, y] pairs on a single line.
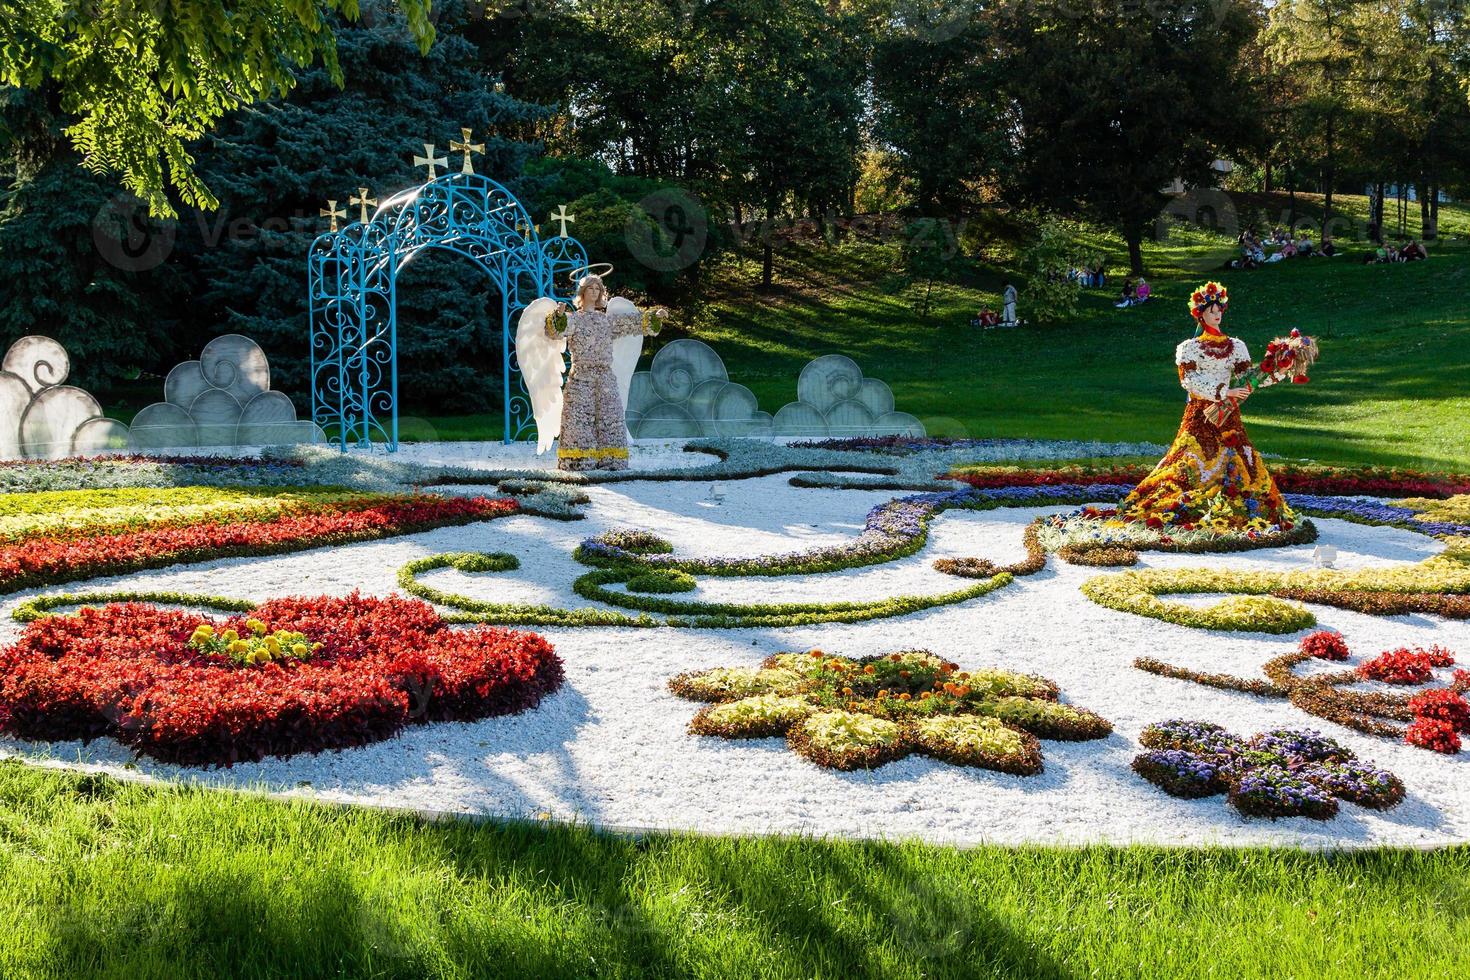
[[845, 713], [1255, 599], [1281, 773], [40, 561], [1433, 719], [297, 675]]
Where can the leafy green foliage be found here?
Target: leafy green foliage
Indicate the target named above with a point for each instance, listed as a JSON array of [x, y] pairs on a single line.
[[133, 75], [1110, 109], [275, 166]]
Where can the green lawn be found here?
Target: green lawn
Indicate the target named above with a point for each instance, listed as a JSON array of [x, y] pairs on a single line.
[[1393, 385], [99, 878]]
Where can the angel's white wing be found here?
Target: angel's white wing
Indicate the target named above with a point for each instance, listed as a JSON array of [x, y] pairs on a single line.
[[626, 350], [542, 364]]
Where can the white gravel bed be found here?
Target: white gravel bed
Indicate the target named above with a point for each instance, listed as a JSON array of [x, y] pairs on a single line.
[[611, 747], [643, 454]]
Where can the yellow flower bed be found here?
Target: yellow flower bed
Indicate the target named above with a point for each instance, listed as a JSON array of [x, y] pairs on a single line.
[[85, 512], [763, 714], [843, 732], [735, 682], [972, 734], [1454, 510], [1249, 605]]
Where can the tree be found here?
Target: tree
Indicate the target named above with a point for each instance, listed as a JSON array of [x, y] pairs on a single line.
[[75, 268], [938, 104], [277, 163], [141, 80], [1328, 48], [753, 105], [788, 76], [1109, 109]]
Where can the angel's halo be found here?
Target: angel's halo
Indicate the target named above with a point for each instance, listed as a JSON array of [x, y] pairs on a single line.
[[600, 269]]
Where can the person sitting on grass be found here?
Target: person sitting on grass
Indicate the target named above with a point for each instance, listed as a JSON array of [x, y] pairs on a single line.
[[1129, 294], [1100, 274], [1141, 291], [1304, 246], [987, 318], [1413, 252], [1328, 249]]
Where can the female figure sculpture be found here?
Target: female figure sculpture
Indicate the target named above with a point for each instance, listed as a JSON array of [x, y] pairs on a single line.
[[605, 335], [1212, 477]]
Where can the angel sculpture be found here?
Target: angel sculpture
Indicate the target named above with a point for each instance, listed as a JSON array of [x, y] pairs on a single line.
[[605, 335]]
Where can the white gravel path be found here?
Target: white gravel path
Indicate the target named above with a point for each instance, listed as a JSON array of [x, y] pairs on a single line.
[[610, 747]]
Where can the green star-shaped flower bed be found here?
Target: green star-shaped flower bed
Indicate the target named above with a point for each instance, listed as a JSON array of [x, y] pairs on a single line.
[[847, 714]]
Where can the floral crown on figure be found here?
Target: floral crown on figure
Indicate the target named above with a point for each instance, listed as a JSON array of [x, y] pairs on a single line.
[[1206, 296]]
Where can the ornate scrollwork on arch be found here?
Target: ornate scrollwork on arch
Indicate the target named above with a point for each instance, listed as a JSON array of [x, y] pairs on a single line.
[[352, 292]]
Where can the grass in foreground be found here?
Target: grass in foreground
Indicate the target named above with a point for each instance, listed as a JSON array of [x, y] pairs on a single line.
[[100, 878]]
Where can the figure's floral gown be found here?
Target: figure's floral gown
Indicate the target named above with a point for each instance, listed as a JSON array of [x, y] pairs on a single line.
[[1212, 477], [594, 427]]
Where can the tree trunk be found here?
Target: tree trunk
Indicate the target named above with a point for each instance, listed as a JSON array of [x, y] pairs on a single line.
[[1134, 237], [1266, 183], [1291, 197], [1329, 176], [1426, 224], [1376, 213]]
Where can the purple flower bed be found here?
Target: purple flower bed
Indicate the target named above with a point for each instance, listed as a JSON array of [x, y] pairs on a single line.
[[1360, 783], [1372, 512], [1299, 744], [1183, 774], [892, 530], [898, 445], [1273, 791], [1280, 773]]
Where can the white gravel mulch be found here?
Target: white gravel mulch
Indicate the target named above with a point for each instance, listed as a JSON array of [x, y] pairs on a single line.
[[610, 748]]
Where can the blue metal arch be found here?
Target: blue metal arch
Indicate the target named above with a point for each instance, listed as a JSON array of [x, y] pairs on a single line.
[[352, 278]]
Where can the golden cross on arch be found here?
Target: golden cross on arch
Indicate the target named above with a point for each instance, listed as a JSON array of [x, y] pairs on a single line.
[[330, 211], [463, 145], [363, 202], [430, 161], [562, 218]]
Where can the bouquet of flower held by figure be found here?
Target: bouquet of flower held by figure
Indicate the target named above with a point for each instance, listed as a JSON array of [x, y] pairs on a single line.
[[1287, 359]]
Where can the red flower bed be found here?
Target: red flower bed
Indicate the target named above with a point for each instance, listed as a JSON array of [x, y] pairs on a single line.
[[1404, 666], [1324, 481], [50, 560], [1124, 475], [1434, 735], [1442, 705], [129, 672], [1325, 645]]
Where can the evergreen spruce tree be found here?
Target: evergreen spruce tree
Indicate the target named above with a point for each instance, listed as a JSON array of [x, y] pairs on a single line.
[[273, 167], [79, 259]]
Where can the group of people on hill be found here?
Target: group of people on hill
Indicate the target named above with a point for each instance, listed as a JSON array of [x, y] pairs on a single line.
[[1092, 275], [1411, 251], [1278, 246]]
